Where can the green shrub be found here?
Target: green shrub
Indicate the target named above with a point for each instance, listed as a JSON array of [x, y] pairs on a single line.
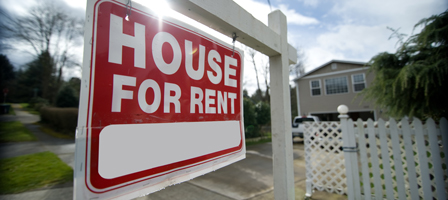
[[37, 103], [62, 119], [66, 97]]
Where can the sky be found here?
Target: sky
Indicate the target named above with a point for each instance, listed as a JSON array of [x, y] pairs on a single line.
[[353, 30]]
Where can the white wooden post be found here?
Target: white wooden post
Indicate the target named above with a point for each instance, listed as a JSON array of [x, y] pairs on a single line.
[[281, 113], [227, 17]]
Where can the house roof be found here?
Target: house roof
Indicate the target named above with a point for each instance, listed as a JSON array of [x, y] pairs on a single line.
[[327, 63]]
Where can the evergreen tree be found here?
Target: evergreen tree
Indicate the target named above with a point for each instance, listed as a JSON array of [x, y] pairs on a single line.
[[293, 102], [262, 113], [413, 81], [6, 72], [66, 97], [37, 80], [250, 122], [75, 83]]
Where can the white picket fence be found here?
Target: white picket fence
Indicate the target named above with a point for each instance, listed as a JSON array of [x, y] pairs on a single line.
[[380, 159]]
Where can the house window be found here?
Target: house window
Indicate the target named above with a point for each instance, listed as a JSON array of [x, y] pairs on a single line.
[[336, 85], [315, 87], [359, 82]]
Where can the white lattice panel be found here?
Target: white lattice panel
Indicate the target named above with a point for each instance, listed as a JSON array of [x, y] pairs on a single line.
[[324, 159]]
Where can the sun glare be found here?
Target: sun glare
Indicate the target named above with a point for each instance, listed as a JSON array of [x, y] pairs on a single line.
[[160, 7]]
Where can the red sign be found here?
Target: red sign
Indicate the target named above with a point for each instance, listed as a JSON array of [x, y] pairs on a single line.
[[161, 103]]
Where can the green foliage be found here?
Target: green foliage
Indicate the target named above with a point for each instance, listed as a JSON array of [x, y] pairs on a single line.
[[75, 83], [61, 119], [67, 97], [32, 171], [250, 122], [257, 96], [293, 94], [6, 72], [36, 80], [15, 132], [36, 103], [245, 93], [255, 116], [413, 81], [262, 113]]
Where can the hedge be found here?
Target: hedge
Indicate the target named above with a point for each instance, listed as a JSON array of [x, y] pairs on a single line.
[[63, 119]]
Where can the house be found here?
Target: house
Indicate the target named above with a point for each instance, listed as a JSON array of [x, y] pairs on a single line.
[[322, 90]]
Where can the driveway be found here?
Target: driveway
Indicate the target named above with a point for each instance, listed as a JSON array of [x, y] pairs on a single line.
[[251, 178]]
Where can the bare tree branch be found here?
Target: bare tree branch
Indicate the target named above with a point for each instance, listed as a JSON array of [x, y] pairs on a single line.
[[47, 30], [299, 68], [252, 53]]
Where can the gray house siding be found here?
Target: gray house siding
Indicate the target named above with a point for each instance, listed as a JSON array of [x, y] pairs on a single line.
[[341, 90]]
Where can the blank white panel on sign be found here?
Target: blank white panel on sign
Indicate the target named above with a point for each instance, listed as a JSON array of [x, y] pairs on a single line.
[[130, 148]]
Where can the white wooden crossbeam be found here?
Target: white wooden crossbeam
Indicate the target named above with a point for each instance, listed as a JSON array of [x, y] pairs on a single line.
[[227, 17]]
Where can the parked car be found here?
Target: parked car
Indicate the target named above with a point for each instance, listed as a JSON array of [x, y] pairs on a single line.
[[298, 127]]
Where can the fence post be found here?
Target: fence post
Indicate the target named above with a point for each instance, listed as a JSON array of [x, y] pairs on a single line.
[[350, 151]]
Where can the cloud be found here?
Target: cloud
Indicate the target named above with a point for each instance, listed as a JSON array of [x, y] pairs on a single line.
[[350, 42], [296, 18], [357, 29], [311, 3], [397, 13], [77, 4], [261, 10], [356, 39], [17, 7], [319, 55]]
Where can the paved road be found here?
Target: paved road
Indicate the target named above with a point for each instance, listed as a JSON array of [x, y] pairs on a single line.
[[250, 178]]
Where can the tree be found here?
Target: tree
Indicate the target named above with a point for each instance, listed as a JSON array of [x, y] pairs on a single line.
[[75, 83], [51, 34], [298, 69], [262, 113], [250, 122], [265, 71], [259, 95], [413, 80], [67, 97], [6, 72], [36, 80], [294, 105], [252, 53]]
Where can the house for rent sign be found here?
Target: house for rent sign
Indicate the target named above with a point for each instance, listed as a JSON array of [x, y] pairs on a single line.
[[161, 103]]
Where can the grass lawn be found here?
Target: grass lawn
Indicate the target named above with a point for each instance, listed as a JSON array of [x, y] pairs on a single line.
[[15, 132], [32, 171]]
